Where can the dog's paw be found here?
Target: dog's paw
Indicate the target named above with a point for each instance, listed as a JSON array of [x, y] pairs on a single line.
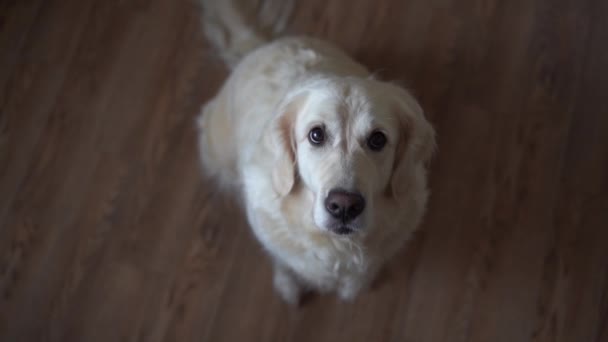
[[287, 286], [347, 293], [350, 288]]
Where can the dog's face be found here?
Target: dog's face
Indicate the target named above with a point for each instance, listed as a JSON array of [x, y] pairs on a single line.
[[351, 144]]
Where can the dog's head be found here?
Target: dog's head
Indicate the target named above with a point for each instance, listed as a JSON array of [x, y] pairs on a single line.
[[352, 143]]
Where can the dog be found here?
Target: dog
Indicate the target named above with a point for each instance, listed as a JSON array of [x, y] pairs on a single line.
[[329, 162]]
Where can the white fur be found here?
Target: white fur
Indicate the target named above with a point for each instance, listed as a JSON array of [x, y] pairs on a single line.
[[253, 138]]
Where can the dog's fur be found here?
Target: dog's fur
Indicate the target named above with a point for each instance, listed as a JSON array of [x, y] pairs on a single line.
[[254, 138]]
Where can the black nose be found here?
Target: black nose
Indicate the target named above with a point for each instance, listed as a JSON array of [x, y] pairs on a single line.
[[344, 205]]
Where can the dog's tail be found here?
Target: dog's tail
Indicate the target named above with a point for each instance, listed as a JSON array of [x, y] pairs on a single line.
[[236, 27]]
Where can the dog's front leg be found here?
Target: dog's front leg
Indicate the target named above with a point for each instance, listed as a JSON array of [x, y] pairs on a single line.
[[351, 285], [287, 284]]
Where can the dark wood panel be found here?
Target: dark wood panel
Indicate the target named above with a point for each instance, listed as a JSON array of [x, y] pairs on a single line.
[[109, 232]]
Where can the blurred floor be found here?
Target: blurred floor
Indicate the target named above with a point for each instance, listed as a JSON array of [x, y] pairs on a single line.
[[108, 232]]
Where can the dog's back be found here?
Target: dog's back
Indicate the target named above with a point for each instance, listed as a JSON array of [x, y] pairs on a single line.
[[234, 31]]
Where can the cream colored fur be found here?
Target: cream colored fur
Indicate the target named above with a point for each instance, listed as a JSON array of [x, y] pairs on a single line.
[[254, 140]]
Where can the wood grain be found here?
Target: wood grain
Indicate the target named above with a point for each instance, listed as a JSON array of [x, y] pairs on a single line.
[[108, 231]]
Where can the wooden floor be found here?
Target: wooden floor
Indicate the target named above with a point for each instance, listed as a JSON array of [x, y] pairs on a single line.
[[108, 232]]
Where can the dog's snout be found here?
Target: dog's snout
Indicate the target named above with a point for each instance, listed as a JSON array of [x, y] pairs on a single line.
[[344, 205]]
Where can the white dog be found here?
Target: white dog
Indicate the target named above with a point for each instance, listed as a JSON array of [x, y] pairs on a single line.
[[330, 163]]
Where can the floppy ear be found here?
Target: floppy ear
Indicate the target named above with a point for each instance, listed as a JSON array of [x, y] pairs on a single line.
[[416, 141], [283, 146]]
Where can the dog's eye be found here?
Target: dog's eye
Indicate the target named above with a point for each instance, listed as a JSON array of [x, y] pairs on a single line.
[[316, 136], [376, 141]]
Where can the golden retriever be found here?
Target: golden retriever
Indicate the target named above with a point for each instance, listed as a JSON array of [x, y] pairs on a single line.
[[330, 162]]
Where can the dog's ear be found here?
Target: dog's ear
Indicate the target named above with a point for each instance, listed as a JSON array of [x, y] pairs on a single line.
[[416, 143], [283, 146]]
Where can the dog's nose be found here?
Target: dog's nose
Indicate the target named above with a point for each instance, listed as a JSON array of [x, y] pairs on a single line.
[[344, 205]]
